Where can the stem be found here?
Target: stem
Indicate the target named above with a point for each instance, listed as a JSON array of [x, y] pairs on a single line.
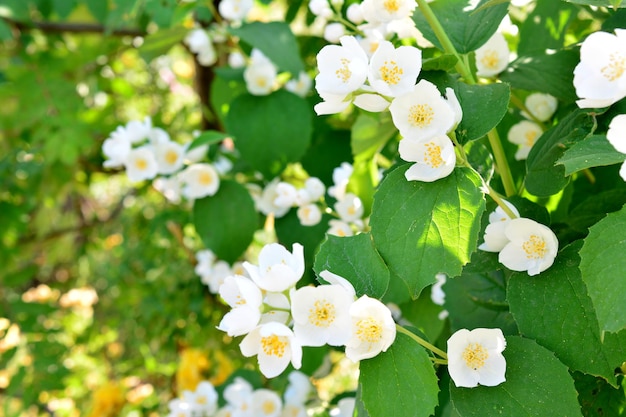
[[501, 162], [520, 105], [445, 40], [422, 342], [438, 361], [496, 197]]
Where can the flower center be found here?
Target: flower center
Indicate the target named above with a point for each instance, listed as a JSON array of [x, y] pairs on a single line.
[[475, 356], [171, 157], [432, 156], [421, 115], [390, 73], [261, 82], [535, 247], [344, 73], [391, 5], [141, 164], [369, 330], [269, 407], [202, 400], [530, 136], [615, 68], [490, 59], [205, 178], [274, 345], [322, 314]]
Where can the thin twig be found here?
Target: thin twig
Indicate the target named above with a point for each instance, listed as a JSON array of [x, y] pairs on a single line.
[[66, 27]]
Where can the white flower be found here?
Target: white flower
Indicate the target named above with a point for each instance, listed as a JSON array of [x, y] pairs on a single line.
[[141, 164], [203, 399], [299, 388], [405, 28], [434, 158], [309, 214], [156, 135], [136, 131], [541, 106], [454, 104], [320, 8], [313, 190], [214, 280], [321, 315], [169, 187], [524, 133], [278, 268], [236, 59], [200, 44], [179, 408], [116, 149], [245, 299], [277, 308], [354, 13], [334, 279], [532, 246], [422, 113], [301, 85], [350, 208], [493, 57], [495, 239], [599, 77], [196, 154], [266, 403], [371, 102], [342, 69], [275, 346], [339, 228], [373, 329], [199, 180], [345, 407], [294, 410], [393, 71], [260, 75], [286, 195], [436, 292], [387, 10], [616, 135], [475, 357], [235, 9], [332, 104], [265, 202], [341, 177], [205, 258], [169, 157], [238, 395], [334, 31]]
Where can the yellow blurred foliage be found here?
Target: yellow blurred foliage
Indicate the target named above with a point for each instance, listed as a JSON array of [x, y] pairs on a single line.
[[193, 362], [108, 400]]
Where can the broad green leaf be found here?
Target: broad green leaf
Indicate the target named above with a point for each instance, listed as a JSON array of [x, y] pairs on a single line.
[[483, 106], [63, 8], [363, 181], [271, 131], [544, 176], [478, 299], [599, 3], [422, 229], [159, 42], [223, 91], [400, 382], [99, 9], [592, 152], [443, 62], [537, 384], [424, 315], [468, 28], [209, 137], [227, 235], [355, 258], [555, 310], [545, 27], [370, 133], [548, 73], [328, 150], [5, 31], [276, 41], [598, 399], [602, 265]]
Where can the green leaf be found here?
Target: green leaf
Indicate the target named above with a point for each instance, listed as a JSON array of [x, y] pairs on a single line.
[[159, 42], [599, 3], [370, 133], [598, 399], [63, 8], [548, 73], [400, 382], [271, 131], [545, 177], [226, 234], [545, 27], [555, 310], [355, 258], [467, 29], [99, 9], [602, 265], [422, 229], [223, 91], [5, 31], [276, 41], [537, 384], [443, 62], [483, 106], [209, 137], [592, 152]]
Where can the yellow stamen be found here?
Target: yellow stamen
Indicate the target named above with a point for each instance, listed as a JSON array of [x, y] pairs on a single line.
[[344, 72], [535, 247], [391, 73], [490, 59], [433, 155], [274, 345], [391, 5], [205, 178], [322, 314], [615, 68], [475, 356], [369, 330], [141, 164], [421, 115], [171, 157]]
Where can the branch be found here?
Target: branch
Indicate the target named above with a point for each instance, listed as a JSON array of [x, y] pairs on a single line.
[[65, 27]]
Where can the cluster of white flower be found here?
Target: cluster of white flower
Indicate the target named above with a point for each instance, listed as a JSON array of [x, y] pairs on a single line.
[[348, 207], [377, 19], [200, 43], [213, 271], [278, 320], [475, 357], [600, 77], [493, 57], [147, 152], [526, 132], [244, 401], [278, 197], [438, 296], [523, 244]]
